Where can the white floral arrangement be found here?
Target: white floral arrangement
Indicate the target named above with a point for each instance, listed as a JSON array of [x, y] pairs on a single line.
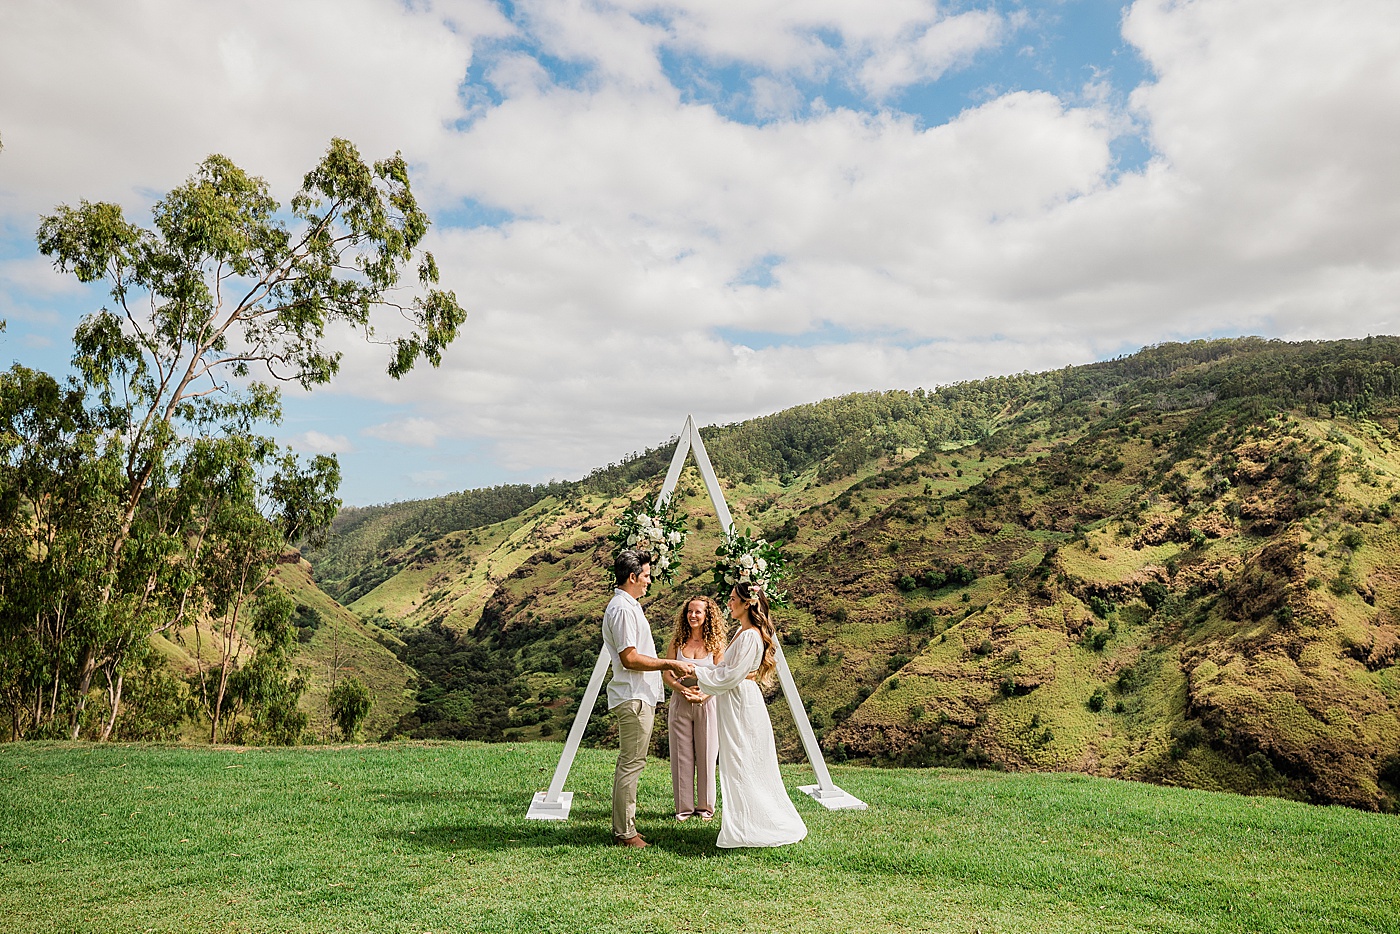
[[754, 561], [660, 531]]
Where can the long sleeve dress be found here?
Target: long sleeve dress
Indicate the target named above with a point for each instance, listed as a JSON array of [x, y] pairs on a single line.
[[756, 808]]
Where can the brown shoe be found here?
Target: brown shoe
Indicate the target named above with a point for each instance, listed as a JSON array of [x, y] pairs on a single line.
[[633, 841]]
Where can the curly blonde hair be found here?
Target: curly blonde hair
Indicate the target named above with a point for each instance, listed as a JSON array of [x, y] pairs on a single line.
[[712, 630]]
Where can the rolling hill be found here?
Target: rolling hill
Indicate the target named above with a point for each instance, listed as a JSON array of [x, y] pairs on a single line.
[[1181, 566]]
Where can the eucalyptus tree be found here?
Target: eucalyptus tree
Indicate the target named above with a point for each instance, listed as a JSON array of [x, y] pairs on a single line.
[[225, 296], [251, 503], [57, 506]]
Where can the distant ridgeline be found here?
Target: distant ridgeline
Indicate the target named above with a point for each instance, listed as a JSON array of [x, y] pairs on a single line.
[[1180, 566]]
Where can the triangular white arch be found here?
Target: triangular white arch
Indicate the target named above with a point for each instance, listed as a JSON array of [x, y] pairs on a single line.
[[555, 803]]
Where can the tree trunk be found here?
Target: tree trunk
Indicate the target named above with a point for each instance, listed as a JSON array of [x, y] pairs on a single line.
[[57, 680], [114, 697], [89, 666], [219, 701]]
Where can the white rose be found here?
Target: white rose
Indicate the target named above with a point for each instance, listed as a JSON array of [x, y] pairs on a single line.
[[631, 539], [643, 519], [654, 534], [762, 565], [729, 578], [746, 561]]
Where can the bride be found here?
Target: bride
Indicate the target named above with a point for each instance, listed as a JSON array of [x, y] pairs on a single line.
[[756, 807]]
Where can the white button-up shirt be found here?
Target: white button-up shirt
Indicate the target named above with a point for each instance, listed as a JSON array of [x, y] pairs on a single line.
[[624, 626]]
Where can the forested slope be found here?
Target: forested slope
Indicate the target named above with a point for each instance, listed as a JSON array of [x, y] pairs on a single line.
[[1181, 566]]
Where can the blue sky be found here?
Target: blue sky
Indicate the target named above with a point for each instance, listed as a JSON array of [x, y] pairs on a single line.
[[726, 208]]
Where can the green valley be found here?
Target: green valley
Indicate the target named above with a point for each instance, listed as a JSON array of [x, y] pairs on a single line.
[[1180, 566]]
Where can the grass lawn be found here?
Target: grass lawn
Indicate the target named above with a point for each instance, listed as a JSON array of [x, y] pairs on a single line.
[[432, 837]]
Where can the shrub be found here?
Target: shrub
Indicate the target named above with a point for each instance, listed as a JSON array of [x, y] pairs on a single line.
[[1097, 700], [1008, 686], [1100, 607], [984, 649], [897, 662], [932, 579], [916, 712], [1186, 736], [155, 703], [1154, 595], [922, 618], [906, 583], [1129, 680], [349, 702]]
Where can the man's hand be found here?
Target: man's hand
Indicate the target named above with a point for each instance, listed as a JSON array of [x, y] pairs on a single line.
[[680, 666]]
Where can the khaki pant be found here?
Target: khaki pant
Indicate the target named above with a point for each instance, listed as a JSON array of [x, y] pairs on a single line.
[[634, 723], [694, 733]]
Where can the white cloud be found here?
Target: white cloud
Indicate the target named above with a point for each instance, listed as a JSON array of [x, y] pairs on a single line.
[[1002, 240], [818, 37], [318, 442], [35, 275], [943, 45], [414, 432], [433, 479], [114, 100]]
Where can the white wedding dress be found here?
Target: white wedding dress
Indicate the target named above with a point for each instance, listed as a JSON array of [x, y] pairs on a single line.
[[755, 807]]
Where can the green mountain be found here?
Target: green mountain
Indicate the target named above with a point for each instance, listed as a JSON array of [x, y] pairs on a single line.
[[1181, 566]]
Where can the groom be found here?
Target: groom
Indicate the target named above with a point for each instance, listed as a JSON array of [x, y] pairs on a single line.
[[635, 689]]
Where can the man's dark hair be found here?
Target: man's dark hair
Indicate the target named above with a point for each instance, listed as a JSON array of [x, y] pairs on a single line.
[[629, 562]]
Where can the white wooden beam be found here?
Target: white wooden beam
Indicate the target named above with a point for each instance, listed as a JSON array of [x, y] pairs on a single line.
[[555, 803]]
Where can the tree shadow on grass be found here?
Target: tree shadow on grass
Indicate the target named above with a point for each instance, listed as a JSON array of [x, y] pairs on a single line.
[[589, 830]]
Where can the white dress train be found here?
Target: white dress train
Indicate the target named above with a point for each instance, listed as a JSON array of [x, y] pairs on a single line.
[[755, 807]]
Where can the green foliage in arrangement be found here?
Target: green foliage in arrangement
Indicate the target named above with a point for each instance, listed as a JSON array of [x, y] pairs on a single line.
[[744, 558], [657, 531], [431, 837], [139, 499]]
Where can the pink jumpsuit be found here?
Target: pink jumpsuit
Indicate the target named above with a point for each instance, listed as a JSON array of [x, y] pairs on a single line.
[[694, 741]]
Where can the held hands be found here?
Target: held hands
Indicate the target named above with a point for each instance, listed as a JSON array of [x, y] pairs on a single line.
[[694, 695], [682, 669]]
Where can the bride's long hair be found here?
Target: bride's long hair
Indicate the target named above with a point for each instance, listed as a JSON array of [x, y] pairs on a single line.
[[762, 620], [711, 630]]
